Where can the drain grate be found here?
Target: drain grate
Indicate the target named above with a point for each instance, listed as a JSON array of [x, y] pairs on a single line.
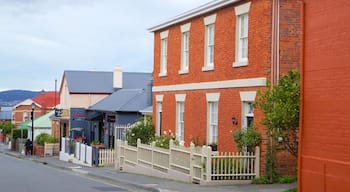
[[110, 189]]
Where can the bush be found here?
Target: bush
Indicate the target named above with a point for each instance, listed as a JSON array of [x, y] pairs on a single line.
[[143, 131], [16, 133], [6, 127], [249, 138], [163, 141], [261, 180], [45, 138], [287, 179]]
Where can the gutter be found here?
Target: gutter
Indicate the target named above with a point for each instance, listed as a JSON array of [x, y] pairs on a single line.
[[206, 8]]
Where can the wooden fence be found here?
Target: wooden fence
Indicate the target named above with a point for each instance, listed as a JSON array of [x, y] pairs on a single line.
[[193, 164], [106, 157]]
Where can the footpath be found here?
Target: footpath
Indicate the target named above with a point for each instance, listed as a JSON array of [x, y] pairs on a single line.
[[135, 182]]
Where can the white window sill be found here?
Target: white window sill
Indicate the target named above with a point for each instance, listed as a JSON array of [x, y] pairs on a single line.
[[240, 64], [164, 74], [183, 72], [208, 68]]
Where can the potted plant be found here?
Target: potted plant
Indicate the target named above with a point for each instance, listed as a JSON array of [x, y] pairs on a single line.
[[97, 144]]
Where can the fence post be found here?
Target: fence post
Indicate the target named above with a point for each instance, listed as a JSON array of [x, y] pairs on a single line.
[[137, 148], [191, 160], [257, 161], [208, 162]]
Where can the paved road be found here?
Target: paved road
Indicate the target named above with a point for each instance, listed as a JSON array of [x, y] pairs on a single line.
[[26, 176]]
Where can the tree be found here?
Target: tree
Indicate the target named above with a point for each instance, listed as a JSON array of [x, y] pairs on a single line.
[[6, 128], [280, 105]]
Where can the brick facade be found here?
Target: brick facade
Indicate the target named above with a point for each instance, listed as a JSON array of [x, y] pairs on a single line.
[[230, 103], [324, 155]]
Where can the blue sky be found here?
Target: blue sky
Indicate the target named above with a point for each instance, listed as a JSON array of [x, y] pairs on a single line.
[[39, 39]]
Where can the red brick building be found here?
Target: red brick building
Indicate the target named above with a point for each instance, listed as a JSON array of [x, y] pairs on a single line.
[[324, 148], [210, 62], [44, 103]]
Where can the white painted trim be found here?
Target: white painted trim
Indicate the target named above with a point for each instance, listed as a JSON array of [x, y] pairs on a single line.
[[247, 95], [180, 97], [164, 34], [210, 19], [186, 27], [242, 9], [212, 97], [252, 82], [208, 68], [201, 10], [240, 63], [159, 98], [163, 74], [181, 72]]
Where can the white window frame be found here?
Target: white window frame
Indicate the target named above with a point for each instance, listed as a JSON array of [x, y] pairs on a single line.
[[242, 11], [209, 46], [185, 48], [25, 116], [180, 118], [247, 99], [212, 118], [163, 53], [159, 111]]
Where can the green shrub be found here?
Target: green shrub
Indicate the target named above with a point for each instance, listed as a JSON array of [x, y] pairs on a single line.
[[45, 138], [142, 131], [6, 127], [287, 179], [249, 138], [16, 133], [291, 190], [163, 141], [261, 180]]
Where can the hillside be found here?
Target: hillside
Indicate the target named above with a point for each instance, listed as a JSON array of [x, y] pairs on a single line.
[[12, 97]]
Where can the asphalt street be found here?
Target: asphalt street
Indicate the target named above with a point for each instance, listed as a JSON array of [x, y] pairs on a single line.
[[27, 176]]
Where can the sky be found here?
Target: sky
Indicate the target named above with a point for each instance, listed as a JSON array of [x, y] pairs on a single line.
[[40, 39]]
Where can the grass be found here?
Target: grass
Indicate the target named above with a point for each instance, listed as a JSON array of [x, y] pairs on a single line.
[[281, 180], [291, 190]]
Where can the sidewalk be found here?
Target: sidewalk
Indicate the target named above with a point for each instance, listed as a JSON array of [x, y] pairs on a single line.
[[136, 182]]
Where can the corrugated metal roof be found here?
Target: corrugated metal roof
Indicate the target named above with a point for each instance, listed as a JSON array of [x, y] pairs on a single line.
[[134, 96], [89, 81], [5, 115], [42, 122]]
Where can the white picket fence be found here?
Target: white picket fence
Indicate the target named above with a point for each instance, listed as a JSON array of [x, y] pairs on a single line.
[[76, 152], [193, 164], [106, 157]]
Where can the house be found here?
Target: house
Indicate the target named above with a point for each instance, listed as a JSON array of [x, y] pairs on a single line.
[[41, 124], [91, 110], [324, 155], [44, 103], [120, 108], [78, 91], [210, 62]]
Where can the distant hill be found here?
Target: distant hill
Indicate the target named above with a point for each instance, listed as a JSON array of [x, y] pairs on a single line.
[[12, 97]]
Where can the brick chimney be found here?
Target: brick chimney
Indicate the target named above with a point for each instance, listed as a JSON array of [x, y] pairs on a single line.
[[118, 77]]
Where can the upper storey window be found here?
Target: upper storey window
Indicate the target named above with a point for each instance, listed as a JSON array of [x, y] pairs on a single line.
[[163, 53], [185, 44], [209, 42], [242, 18]]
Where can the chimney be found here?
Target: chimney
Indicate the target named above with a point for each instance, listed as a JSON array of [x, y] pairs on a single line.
[[118, 77]]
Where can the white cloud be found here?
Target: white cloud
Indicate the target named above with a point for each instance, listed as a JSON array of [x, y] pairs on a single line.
[[42, 38]]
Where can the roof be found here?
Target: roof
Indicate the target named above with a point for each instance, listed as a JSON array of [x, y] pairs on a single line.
[[147, 110], [134, 96], [206, 8], [27, 102], [47, 99], [5, 115], [42, 122], [89, 81]]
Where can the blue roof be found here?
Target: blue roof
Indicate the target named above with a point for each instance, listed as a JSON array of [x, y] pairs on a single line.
[[5, 115], [102, 82], [89, 81], [135, 95]]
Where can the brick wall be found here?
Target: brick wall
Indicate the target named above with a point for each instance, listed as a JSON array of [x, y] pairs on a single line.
[[259, 55]]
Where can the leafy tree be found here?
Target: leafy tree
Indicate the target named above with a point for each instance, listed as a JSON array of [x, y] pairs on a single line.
[[280, 105], [6, 127]]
